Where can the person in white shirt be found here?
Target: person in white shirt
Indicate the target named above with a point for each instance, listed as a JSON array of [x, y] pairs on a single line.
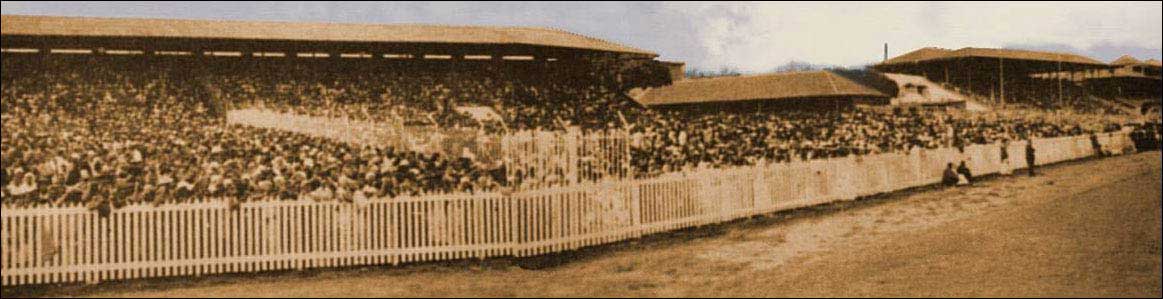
[[25, 190]]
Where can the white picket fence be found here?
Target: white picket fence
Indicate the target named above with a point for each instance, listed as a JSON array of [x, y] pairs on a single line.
[[71, 244], [540, 158]]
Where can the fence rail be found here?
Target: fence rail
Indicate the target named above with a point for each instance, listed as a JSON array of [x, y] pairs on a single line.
[[539, 158], [72, 244]]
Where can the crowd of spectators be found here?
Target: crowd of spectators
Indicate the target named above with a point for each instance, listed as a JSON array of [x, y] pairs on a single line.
[[105, 137], [105, 132], [674, 141], [525, 95], [1148, 136]]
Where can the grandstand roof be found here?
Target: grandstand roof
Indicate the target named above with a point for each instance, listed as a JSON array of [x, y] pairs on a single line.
[[938, 54], [794, 85], [922, 54], [1126, 60], [86, 27]]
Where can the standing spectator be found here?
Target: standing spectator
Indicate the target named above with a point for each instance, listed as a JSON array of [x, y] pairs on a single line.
[[1097, 146], [1030, 156], [1006, 168]]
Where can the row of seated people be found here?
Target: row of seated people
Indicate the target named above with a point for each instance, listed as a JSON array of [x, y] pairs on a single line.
[[675, 141], [425, 96], [1148, 136], [526, 96]]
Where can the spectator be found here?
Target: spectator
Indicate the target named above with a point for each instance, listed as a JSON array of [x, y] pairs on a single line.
[[1004, 149], [949, 177], [963, 171], [1030, 156], [1096, 146]]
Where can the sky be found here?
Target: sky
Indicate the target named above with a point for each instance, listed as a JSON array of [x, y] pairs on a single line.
[[745, 36]]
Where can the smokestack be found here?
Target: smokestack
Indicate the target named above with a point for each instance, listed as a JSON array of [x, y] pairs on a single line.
[[885, 52]]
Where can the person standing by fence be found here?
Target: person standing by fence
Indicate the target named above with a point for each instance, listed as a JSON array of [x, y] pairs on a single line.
[[1006, 168], [1030, 156], [1096, 146]]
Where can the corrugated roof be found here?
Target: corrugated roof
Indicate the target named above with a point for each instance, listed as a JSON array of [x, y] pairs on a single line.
[[921, 54], [1025, 55], [756, 87], [931, 54], [293, 31], [1126, 60]]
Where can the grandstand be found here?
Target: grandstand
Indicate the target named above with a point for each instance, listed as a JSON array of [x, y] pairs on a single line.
[[1003, 76], [452, 59], [918, 91], [796, 90], [174, 80], [429, 142], [1133, 83], [296, 39], [340, 111]]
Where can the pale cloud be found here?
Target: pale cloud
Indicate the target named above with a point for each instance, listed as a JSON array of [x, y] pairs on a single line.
[[753, 37], [760, 36]]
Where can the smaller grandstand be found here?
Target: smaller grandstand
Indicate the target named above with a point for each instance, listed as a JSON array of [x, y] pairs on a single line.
[[1130, 80], [916, 91], [797, 90], [1001, 75]]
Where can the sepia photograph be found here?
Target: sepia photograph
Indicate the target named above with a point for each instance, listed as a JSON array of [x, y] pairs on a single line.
[[525, 149]]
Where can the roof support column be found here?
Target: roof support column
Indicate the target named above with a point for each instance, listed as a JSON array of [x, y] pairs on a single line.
[[1058, 77], [946, 74], [968, 82], [1072, 82], [1001, 81]]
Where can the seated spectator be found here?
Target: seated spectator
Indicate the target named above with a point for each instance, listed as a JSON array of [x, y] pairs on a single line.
[[964, 172], [949, 177]]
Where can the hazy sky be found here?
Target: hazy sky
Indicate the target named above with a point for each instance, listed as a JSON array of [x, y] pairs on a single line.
[[747, 36]]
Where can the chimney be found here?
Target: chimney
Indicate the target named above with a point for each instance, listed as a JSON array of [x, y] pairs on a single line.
[[885, 52], [677, 69]]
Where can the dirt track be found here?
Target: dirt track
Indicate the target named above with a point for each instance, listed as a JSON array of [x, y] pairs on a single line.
[[1082, 229]]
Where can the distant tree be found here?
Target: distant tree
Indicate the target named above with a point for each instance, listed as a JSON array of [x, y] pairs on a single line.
[[800, 66], [722, 72]]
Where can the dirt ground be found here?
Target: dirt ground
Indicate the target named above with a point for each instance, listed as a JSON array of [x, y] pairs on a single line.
[[1081, 229]]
